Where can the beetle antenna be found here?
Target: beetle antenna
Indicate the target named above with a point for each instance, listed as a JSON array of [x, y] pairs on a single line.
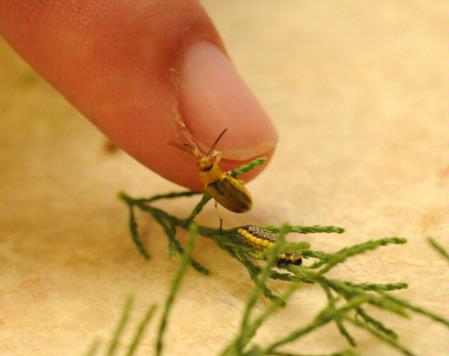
[[216, 142], [183, 147]]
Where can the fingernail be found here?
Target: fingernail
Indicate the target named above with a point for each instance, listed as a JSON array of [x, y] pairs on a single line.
[[212, 96]]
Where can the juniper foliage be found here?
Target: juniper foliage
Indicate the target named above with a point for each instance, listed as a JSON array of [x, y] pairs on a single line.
[[348, 303]]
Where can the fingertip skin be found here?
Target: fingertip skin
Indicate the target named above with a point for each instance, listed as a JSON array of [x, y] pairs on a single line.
[[213, 97], [115, 61]]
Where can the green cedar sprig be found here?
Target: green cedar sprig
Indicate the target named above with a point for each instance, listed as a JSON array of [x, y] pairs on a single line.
[[439, 249], [176, 284], [348, 302], [143, 324]]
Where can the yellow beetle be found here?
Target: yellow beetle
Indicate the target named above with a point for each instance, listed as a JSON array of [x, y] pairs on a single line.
[[227, 190]]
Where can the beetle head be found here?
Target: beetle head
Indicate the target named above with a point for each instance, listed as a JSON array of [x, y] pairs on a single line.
[[206, 163]]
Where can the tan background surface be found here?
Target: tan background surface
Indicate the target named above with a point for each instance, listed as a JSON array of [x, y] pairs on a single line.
[[358, 92]]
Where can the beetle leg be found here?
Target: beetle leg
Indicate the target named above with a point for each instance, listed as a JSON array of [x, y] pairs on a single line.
[[220, 229]]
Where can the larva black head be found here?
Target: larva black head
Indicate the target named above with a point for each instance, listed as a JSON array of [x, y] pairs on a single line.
[[298, 261], [289, 259]]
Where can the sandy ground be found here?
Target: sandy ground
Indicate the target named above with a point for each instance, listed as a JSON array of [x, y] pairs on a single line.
[[358, 93]]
